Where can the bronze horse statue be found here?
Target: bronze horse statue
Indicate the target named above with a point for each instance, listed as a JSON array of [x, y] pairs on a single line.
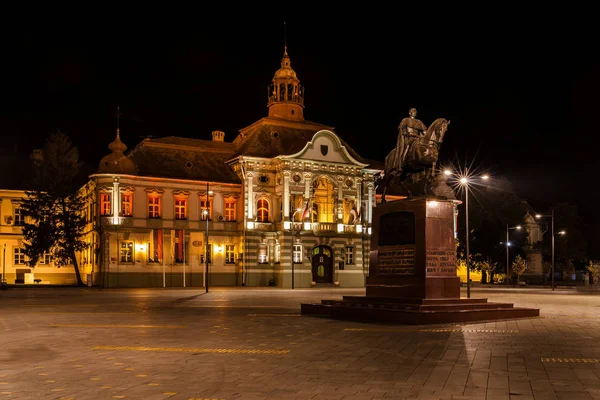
[[421, 157]]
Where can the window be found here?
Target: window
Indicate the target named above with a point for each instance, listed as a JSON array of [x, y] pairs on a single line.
[[262, 210], [105, 204], [46, 259], [19, 220], [19, 256], [126, 252], [204, 207], [126, 204], [323, 201], [297, 256], [154, 207], [155, 250], [202, 259], [263, 253], [180, 208], [230, 210], [229, 253], [349, 255], [179, 246]]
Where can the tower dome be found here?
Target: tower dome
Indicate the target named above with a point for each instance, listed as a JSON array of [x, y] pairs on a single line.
[[285, 94], [117, 162]]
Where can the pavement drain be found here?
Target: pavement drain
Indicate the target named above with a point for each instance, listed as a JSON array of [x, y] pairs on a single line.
[[190, 350], [570, 360], [433, 330], [275, 315]]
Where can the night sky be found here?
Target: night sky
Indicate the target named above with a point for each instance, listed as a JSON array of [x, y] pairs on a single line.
[[521, 94]]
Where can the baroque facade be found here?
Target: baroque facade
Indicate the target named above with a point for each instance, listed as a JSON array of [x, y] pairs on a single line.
[[287, 203]]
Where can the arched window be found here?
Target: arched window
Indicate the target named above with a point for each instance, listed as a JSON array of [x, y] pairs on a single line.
[[262, 210], [324, 200]]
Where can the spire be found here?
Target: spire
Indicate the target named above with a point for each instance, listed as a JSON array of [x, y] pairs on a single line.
[[117, 146], [286, 95]]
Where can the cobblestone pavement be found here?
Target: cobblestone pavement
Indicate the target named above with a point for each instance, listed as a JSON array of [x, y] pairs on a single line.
[[244, 343]]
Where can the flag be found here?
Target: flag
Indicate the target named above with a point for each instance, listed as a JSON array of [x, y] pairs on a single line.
[[306, 211]]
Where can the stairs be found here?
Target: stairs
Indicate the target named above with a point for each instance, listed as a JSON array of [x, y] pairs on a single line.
[[415, 311]]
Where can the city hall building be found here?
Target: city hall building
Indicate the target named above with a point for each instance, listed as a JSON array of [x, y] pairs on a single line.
[[287, 203]]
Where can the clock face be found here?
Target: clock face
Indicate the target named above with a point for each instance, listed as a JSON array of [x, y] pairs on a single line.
[[296, 178], [349, 183]]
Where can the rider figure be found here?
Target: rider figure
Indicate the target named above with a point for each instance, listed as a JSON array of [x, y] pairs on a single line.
[[411, 129]]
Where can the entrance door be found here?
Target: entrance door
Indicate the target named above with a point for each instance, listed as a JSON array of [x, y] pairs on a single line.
[[322, 264]]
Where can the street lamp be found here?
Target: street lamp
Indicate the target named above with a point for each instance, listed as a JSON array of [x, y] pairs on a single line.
[[518, 227], [464, 180], [538, 216], [293, 216]]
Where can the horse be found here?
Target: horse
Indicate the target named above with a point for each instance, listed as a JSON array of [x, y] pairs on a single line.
[[421, 154]]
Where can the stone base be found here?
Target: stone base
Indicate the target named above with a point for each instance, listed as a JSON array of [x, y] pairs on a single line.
[[415, 311], [428, 288]]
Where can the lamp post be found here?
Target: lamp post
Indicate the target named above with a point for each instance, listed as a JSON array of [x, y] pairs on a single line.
[[518, 227], [538, 216], [464, 180]]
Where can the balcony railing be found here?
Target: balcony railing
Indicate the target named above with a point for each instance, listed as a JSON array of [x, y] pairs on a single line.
[[117, 221]]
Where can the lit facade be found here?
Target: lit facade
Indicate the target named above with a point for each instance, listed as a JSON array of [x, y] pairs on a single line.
[[285, 195]]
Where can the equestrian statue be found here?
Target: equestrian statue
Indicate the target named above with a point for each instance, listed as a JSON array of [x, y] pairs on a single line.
[[410, 167]]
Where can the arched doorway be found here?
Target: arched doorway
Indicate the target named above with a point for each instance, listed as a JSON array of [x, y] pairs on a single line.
[[322, 264]]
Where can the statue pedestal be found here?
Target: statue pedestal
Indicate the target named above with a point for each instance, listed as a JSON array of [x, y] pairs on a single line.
[[412, 274], [413, 250]]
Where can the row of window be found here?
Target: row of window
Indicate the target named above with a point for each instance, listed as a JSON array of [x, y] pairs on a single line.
[[263, 254], [20, 258], [154, 254], [154, 207]]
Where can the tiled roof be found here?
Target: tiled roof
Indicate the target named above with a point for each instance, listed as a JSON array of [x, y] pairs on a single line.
[[183, 158], [271, 137]]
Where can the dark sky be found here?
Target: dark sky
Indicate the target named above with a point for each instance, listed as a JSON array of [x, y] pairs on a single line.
[[521, 91]]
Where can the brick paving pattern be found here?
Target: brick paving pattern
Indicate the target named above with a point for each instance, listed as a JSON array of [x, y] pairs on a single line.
[[245, 343]]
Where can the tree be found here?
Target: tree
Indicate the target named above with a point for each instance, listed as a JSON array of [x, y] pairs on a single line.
[[594, 271], [54, 221], [488, 267], [568, 269], [519, 266], [546, 270]]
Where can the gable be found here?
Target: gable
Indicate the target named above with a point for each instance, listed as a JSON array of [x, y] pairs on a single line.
[[325, 146]]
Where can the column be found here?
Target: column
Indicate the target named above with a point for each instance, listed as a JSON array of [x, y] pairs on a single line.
[[370, 207], [286, 196], [250, 198], [115, 201]]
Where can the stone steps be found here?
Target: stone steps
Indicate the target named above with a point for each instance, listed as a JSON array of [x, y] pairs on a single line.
[[409, 311]]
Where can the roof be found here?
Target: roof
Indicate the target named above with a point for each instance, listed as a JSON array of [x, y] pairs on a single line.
[[271, 137], [183, 158]]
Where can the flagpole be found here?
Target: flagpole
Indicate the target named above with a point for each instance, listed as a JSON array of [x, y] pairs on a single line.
[[183, 247], [162, 232]]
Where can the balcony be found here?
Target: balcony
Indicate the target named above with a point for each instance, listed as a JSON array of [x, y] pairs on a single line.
[[116, 221]]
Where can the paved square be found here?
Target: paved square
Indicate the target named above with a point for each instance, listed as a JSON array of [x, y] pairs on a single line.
[[245, 343]]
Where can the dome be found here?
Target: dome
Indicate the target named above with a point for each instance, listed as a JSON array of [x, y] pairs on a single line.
[[117, 161], [286, 71]]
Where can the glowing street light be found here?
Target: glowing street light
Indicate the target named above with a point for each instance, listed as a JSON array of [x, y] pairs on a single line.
[[538, 216], [518, 227], [465, 180]]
